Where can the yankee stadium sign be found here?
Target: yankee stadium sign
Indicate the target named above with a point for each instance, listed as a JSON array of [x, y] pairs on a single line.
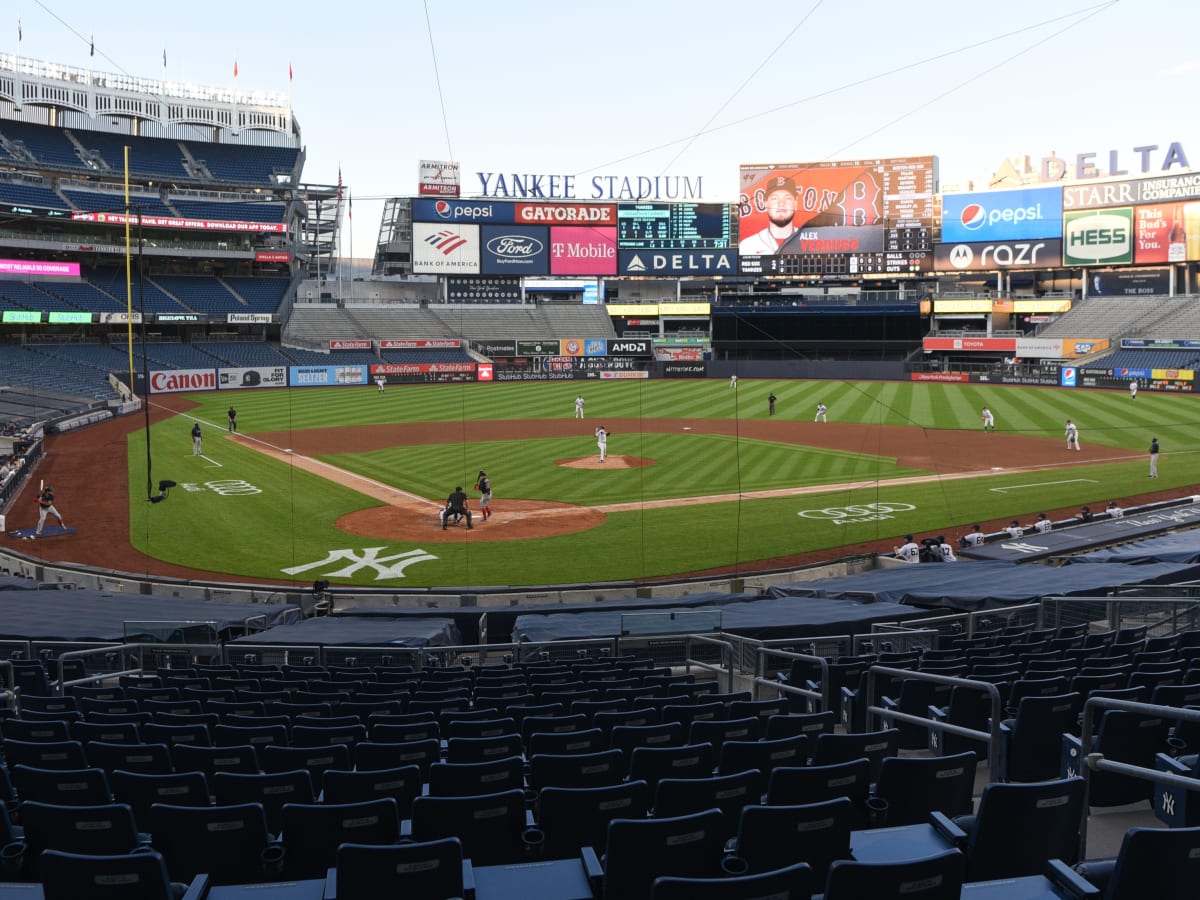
[[542, 186]]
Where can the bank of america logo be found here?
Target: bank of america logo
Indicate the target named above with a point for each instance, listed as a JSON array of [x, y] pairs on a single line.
[[446, 241]]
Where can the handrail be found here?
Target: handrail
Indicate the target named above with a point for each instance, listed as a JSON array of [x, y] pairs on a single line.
[[139, 649], [992, 737], [760, 669], [1096, 761], [728, 648]]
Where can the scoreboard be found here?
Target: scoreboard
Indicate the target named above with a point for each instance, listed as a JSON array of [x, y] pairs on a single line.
[[675, 226], [852, 217]]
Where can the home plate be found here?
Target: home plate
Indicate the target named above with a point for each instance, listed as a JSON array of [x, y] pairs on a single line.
[[687, 428]]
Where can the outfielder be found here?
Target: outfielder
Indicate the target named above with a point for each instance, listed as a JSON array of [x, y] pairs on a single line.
[[579, 407], [820, 416], [1072, 436], [602, 442], [1153, 457], [1133, 389], [989, 421], [197, 440]]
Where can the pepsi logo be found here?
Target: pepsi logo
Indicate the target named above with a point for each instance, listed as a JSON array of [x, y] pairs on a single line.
[[973, 216], [442, 208]]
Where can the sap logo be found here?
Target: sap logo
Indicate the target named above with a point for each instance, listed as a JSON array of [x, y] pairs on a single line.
[[515, 246], [458, 211], [975, 215], [1084, 347]]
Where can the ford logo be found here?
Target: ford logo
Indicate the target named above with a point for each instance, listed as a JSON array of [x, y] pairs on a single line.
[[515, 246]]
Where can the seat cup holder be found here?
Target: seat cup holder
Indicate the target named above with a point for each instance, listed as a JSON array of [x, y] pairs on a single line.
[[733, 866], [12, 859], [877, 812], [1176, 747], [534, 842], [272, 860]]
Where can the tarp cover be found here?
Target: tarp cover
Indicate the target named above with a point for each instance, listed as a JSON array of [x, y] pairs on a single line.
[[347, 631], [974, 586], [1177, 548], [88, 615], [762, 618]]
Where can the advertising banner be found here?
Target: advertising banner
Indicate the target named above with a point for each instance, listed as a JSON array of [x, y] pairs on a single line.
[[549, 347], [1129, 283], [1058, 348], [514, 250], [983, 345], [997, 255], [624, 347], [439, 368], [68, 318], [572, 347], [677, 262], [1098, 238], [566, 214], [326, 376], [179, 317], [256, 377], [478, 211], [583, 251], [421, 344], [497, 348], [111, 218], [248, 318], [960, 377], [476, 290], [39, 268], [21, 317], [356, 344], [118, 318], [1154, 344], [272, 256], [1002, 215], [1163, 189], [176, 380], [683, 369], [1172, 374], [451, 249], [437, 178], [1160, 233]]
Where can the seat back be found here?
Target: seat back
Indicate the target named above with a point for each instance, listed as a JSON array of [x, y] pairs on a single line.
[[1031, 745], [872, 745], [141, 791], [313, 831], [401, 784], [427, 869], [577, 770], [938, 877], [315, 759], [640, 850], [210, 760], [651, 764], [483, 749], [914, 786], [576, 817], [270, 790], [226, 842], [62, 787], [129, 876], [1045, 814], [490, 826], [794, 882], [728, 793], [770, 837], [103, 829], [465, 779], [808, 724], [1129, 738], [45, 754], [375, 755], [1163, 863], [792, 786]]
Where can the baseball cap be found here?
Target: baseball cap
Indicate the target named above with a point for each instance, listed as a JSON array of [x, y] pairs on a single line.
[[779, 183]]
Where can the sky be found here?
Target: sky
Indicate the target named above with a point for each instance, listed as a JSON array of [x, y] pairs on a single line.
[[648, 88]]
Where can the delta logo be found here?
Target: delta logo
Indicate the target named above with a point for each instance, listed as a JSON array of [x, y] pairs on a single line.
[[973, 216]]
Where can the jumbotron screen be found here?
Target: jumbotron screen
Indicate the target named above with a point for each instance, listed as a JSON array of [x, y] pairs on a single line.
[[846, 217]]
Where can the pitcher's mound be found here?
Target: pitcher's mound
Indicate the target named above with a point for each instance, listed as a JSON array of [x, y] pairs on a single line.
[[614, 461]]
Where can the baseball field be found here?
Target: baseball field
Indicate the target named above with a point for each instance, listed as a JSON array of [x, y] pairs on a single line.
[[345, 484]]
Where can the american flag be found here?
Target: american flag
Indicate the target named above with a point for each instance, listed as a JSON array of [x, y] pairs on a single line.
[[339, 196]]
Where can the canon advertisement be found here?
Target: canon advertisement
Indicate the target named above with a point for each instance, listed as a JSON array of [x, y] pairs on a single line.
[[1002, 215]]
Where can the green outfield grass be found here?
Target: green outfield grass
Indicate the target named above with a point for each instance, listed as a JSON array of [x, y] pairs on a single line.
[[241, 512]]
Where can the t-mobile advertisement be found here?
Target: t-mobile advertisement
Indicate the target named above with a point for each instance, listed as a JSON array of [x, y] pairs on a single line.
[[39, 268], [583, 250]]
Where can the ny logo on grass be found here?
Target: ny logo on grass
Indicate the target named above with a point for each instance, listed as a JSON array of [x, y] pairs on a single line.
[[384, 566]]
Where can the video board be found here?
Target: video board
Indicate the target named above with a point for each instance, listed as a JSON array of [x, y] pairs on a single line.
[[675, 226], [875, 216]]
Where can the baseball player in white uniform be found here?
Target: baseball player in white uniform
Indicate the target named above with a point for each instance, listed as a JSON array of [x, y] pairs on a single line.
[[1133, 389], [602, 442], [974, 537], [1042, 525], [820, 416], [733, 381], [989, 421], [1072, 436], [946, 550], [579, 407], [909, 551]]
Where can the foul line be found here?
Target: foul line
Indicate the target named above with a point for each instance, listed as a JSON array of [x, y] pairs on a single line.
[[1021, 487]]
